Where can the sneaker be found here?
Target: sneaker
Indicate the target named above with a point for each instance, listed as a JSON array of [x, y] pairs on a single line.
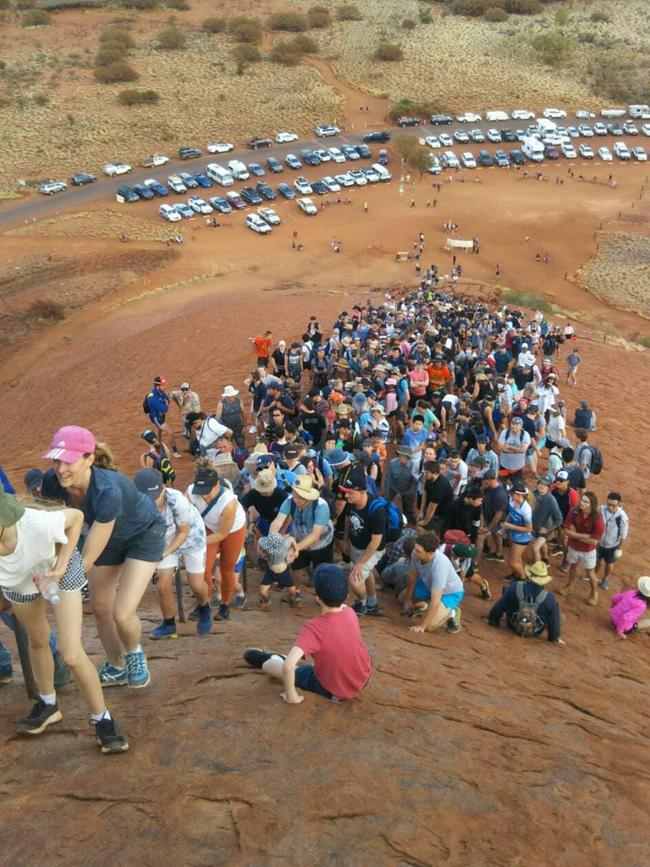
[[564, 566], [296, 602], [291, 599], [223, 613], [111, 675], [485, 591], [6, 674], [359, 607], [215, 601], [263, 604], [39, 718], [556, 552], [204, 625], [373, 610], [453, 624], [177, 455], [61, 670], [255, 657], [137, 670], [604, 584], [252, 429], [239, 601], [194, 614], [498, 558], [109, 736], [165, 630], [85, 593]]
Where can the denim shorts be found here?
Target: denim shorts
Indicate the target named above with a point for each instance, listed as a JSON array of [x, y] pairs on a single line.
[[283, 579], [148, 546], [306, 679]]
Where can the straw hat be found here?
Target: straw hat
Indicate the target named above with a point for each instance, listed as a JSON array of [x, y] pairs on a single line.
[[304, 487], [538, 573], [229, 391]]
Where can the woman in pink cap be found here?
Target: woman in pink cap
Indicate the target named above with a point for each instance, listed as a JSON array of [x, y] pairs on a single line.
[[121, 550]]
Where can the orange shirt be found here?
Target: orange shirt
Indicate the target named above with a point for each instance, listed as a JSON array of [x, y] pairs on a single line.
[[262, 346], [438, 376]]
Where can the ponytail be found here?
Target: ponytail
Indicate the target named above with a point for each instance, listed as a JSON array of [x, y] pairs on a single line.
[[104, 457]]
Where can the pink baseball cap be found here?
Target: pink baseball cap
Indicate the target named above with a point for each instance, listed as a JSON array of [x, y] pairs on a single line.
[[70, 443]]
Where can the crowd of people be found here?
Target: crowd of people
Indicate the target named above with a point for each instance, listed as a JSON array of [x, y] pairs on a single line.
[[409, 449]]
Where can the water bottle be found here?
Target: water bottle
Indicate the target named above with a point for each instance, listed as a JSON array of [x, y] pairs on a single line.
[[48, 587]]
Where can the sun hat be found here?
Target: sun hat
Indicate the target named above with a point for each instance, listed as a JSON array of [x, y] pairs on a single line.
[[222, 459], [229, 391], [149, 482], [304, 487], [337, 457], [343, 409], [11, 511], [71, 443], [643, 585], [538, 573], [32, 479], [265, 482], [330, 584], [404, 451], [204, 481]]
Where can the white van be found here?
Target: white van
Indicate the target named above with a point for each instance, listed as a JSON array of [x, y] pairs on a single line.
[[238, 170], [496, 115], [638, 110], [219, 175], [533, 149], [545, 127], [612, 112], [382, 171]]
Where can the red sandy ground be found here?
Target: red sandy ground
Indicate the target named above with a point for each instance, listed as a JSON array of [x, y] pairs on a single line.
[[476, 749]]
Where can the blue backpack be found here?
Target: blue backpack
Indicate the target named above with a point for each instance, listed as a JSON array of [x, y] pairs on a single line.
[[394, 518]]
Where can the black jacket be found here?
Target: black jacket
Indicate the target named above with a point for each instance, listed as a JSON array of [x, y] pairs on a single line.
[[548, 611]]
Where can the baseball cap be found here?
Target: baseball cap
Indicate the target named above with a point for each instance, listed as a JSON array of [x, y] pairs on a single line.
[[264, 461], [149, 481], [32, 479], [11, 511], [149, 436], [330, 584], [562, 476], [290, 451], [519, 488], [70, 443], [545, 480], [355, 480], [516, 419], [184, 385], [481, 438], [204, 481], [160, 380]]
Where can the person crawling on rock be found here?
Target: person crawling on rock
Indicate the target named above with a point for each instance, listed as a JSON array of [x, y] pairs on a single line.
[[276, 548], [342, 664]]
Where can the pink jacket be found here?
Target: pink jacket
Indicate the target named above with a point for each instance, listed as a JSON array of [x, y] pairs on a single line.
[[626, 610]]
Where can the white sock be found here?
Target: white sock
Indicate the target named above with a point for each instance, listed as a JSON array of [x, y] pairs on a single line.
[[49, 699], [96, 717], [137, 650]]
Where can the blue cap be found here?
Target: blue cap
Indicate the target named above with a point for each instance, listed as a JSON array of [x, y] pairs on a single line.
[[264, 461], [330, 584]]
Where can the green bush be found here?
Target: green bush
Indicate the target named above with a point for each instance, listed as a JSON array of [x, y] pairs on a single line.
[[179, 5], [470, 8], [600, 17], [214, 25], [116, 73], [171, 39], [304, 43], [286, 54], [292, 22], [5, 4], [408, 24], [24, 4], [138, 97], [244, 29], [349, 12], [108, 55], [388, 52], [425, 17], [495, 14], [46, 308], [117, 35], [523, 7], [554, 48], [141, 5], [319, 17], [35, 18]]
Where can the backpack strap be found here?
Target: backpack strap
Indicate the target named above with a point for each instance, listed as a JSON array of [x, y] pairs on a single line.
[[213, 502], [519, 590]]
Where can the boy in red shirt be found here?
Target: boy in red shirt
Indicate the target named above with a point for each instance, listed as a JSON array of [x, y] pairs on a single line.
[[583, 526], [262, 346], [341, 666]]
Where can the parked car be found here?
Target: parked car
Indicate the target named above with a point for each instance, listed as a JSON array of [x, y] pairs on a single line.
[[324, 130], [622, 151], [468, 160], [432, 141], [176, 184], [202, 180], [323, 154], [615, 129], [639, 154], [440, 119], [364, 151], [307, 207], [189, 180], [143, 191], [293, 162], [80, 179], [286, 191], [477, 135], [468, 117], [645, 129], [371, 175], [573, 132], [461, 136], [630, 128], [221, 204], [257, 224], [508, 135], [117, 168], [344, 179], [188, 153], [554, 113], [600, 128], [382, 157], [126, 194], [302, 185], [435, 167], [259, 142], [585, 113], [350, 152], [585, 130], [493, 135], [501, 158], [586, 152], [220, 147], [568, 151], [49, 188], [319, 188], [251, 196], [153, 161], [274, 165], [446, 140], [408, 121], [522, 114], [358, 177], [605, 154], [285, 137], [485, 159], [199, 205], [256, 170], [332, 185], [517, 157], [450, 160], [184, 210], [551, 152], [380, 135], [158, 188], [266, 191], [311, 158], [336, 155], [269, 216], [169, 213], [235, 200]]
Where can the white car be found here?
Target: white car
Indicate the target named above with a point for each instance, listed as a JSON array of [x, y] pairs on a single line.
[[154, 161], [446, 141], [585, 113], [586, 152], [585, 130], [554, 113], [323, 155], [282, 137], [48, 188], [332, 185], [645, 129], [169, 213], [371, 175], [336, 155], [269, 216], [468, 160], [345, 180], [324, 130], [568, 151], [358, 177], [432, 141], [494, 136], [308, 207], [468, 117], [639, 154], [451, 160], [257, 224], [605, 154], [199, 205], [220, 147], [622, 151], [303, 186], [522, 114], [435, 168], [117, 168], [176, 184]]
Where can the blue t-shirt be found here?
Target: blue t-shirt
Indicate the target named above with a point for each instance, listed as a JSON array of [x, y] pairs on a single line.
[[111, 496], [317, 512], [414, 439]]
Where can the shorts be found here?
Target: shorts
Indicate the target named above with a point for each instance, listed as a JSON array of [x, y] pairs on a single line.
[[584, 558], [306, 679], [73, 580], [194, 561], [421, 593], [148, 546], [284, 579], [313, 558], [606, 554], [369, 565]]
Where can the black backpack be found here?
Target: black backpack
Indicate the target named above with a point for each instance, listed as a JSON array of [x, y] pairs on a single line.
[[597, 464], [164, 466], [525, 621], [145, 404]]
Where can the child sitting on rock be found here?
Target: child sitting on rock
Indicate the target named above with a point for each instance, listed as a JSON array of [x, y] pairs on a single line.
[[627, 609], [275, 548], [341, 666]]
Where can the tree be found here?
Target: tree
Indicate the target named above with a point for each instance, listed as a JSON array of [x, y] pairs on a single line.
[[554, 48], [419, 160], [406, 145]]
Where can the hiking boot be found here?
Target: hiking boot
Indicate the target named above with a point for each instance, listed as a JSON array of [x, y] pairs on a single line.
[[39, 718], [593, 599], [359, 607], [110, 738], [223, 613], [194, 614], [453, 624], [61, 670], [485, 590], [239, 601], [604, 584], [263, 603], [256, 657], [373, 610], [137, 670], [204, 624], [165, 630], [111, 675]]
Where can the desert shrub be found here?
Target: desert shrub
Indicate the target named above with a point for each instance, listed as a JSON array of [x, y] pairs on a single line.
[[408, 24], [69, 4], [35, 18], [304, 44], [349, 12], [495, 14], [41, 99], [179, 5], [600, 17], [214, 25], [292, 22], [470, 8], [425, 16], [116, 73], [318, 17], [109, 54], [5, 4], [138, 97], [620, 75], [554, 48], [171, 39], [244, 55], [117, 35], [523, 7], [286, 54], [244, 29], [46, 308], [24, 4], [141, 5], [388, 52]]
